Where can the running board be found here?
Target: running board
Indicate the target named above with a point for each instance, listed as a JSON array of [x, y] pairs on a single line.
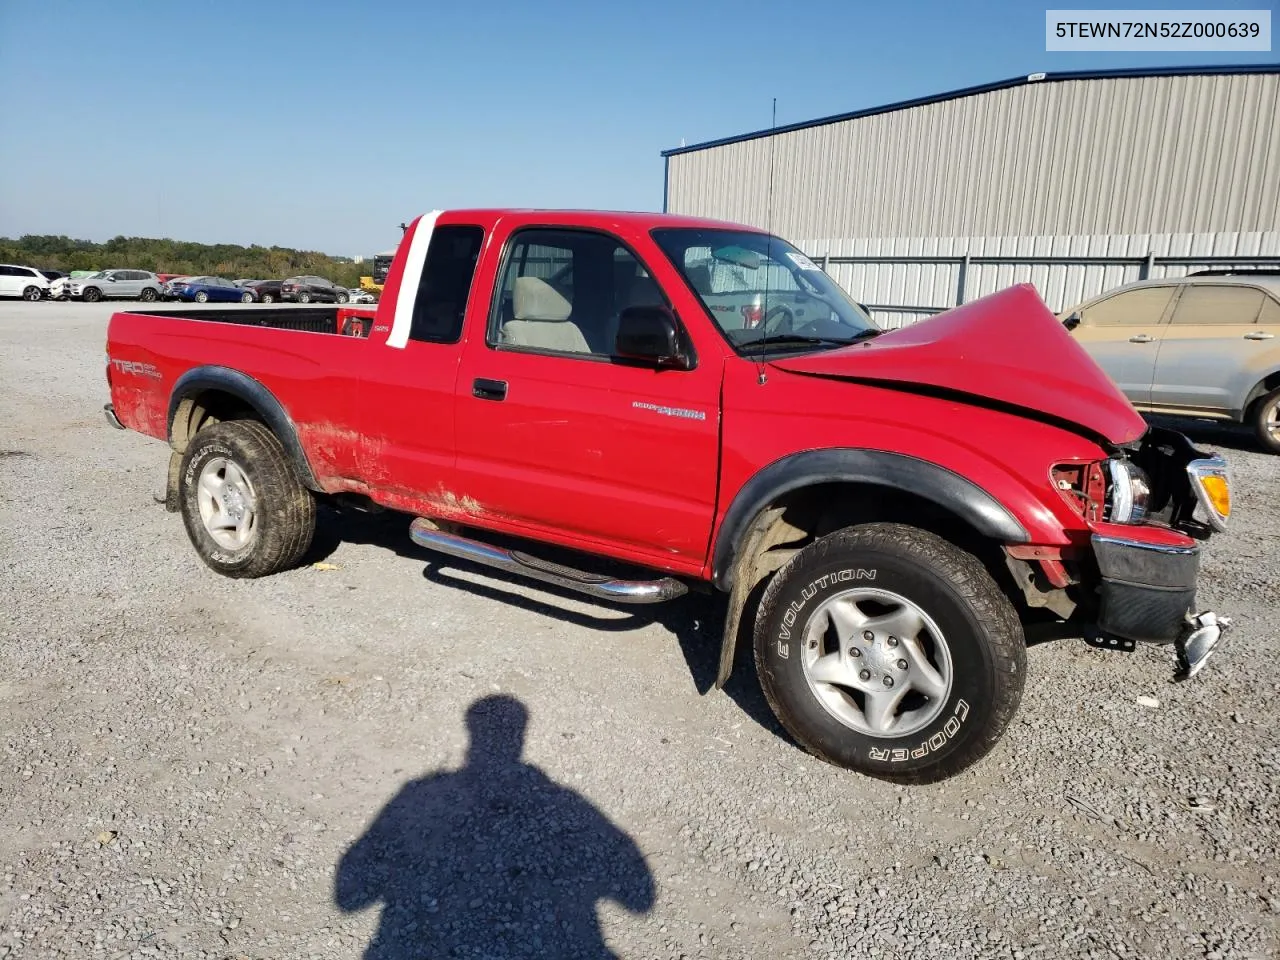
[[425, 534]]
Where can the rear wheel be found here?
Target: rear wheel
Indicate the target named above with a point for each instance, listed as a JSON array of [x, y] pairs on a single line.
[[91, 295], [32, 294], [245, 510], [147, 295], [201, 297], [343, 298], [1266, 421], [304, 297], [888, 650]]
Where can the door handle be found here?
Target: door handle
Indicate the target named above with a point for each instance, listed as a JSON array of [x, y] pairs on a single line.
[[1141, 338], [489, 389], [1259, 335]]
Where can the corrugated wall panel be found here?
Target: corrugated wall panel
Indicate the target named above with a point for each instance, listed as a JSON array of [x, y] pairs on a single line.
[[1061, 286], [1167, 154]]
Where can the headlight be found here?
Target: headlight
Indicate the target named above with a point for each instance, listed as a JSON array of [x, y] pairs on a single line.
[[1211, 481], [1128, 492]]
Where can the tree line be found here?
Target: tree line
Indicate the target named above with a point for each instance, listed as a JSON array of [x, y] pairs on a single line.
[[177, 256]]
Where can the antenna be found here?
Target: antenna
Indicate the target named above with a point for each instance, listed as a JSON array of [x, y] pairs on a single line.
[[761, 377]]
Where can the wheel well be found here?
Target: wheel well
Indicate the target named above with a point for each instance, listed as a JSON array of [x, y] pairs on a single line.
[[205, 409], [793, 520], [1261, 389], [799, 517]]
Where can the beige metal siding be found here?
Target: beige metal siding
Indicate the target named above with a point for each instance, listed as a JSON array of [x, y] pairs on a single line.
[[1150, 155]]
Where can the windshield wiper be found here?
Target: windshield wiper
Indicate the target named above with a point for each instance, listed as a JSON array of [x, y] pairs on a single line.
[[784, 339]]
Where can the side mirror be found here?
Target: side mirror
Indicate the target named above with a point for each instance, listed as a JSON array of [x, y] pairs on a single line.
[[111, 278], [1072, 321], [651, 335]]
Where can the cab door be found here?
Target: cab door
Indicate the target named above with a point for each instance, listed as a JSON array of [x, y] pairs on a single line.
[[1209, 344], [1122, 333], [559, 438]]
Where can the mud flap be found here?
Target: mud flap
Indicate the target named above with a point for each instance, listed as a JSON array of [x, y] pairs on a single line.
[[170, 498]]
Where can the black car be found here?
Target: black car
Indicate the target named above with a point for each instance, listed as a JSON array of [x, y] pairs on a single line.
[[313, 290], [268, 291]]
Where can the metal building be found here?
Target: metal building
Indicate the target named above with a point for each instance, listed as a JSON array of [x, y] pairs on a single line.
[[1075, 181]]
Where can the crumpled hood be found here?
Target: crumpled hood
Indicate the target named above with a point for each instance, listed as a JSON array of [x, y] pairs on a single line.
[[1005, 347]]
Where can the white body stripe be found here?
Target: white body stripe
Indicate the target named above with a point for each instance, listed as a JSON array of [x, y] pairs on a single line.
[[413, 263]]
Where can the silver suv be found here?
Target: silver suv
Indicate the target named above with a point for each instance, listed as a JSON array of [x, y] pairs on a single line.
[[1199, 346], [117, 285]]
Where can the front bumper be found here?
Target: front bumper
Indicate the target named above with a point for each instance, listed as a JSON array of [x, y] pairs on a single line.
[[1147, 593], [1146, 589]]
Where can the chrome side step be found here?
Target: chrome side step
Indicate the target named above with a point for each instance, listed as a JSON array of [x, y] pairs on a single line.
[[425, 534]]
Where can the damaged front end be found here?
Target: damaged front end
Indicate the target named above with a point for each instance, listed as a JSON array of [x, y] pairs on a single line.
[[1148, 508]]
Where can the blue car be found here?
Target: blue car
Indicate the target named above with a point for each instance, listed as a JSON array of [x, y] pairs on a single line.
[[212, 290]]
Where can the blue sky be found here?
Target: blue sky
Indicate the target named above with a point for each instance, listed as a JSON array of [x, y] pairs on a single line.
[[322, 124]]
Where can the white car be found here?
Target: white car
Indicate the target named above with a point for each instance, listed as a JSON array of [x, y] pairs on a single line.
[[362, 296], [25, 282]]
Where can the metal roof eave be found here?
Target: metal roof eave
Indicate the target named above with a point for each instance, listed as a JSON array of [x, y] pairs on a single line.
[[1119, 74]]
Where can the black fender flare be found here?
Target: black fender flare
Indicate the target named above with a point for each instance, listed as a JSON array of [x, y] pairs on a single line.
[[243, 387], [901, 472]]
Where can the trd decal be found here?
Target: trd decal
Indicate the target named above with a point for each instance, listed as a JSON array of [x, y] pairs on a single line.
[[137, 369]]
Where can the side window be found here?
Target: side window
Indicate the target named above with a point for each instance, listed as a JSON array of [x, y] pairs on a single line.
[[8, 272], [1144, 307], [441, 302], [1270, 314], [1217, 303], [564, 290]]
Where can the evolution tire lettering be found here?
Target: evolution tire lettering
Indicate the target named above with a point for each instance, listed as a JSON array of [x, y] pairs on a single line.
[[810, 591], [932, 745]]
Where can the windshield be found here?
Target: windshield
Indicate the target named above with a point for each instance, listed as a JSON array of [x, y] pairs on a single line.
[[762, 292]]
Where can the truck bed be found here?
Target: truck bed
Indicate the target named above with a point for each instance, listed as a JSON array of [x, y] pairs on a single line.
[[326, 319]]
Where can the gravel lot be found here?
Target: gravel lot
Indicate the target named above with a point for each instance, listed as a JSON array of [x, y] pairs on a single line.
[[198, 767]]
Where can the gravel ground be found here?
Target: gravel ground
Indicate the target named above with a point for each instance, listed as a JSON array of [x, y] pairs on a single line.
[[199, 767]]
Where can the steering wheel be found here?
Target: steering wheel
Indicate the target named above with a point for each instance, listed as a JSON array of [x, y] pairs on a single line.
[[779, 319]]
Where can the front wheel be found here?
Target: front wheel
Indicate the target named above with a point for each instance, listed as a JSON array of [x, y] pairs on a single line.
[[91, 295], [32, 294], [245, 510], [1266, 421], [887, 650]]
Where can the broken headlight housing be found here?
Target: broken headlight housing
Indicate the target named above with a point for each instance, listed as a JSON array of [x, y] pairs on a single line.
[[1128, 491]]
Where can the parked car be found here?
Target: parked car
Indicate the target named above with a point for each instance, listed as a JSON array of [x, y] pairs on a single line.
[[211, 289], [25, 282], [168, 289], [117, 285], [881, 511], [1199, 346], [245, 282], [59, 289], [361, 296], [309, 289], [267, 291]]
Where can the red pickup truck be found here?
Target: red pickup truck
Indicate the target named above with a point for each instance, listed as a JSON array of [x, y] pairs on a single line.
[[698, 403]]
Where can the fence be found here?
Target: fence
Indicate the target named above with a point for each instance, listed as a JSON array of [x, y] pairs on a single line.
[[942, 281]]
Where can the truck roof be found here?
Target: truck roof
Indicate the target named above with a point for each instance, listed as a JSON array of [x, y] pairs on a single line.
[[631, 218]]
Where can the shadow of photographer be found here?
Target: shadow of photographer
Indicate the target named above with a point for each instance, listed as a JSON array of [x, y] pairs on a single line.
[[494, 859]]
